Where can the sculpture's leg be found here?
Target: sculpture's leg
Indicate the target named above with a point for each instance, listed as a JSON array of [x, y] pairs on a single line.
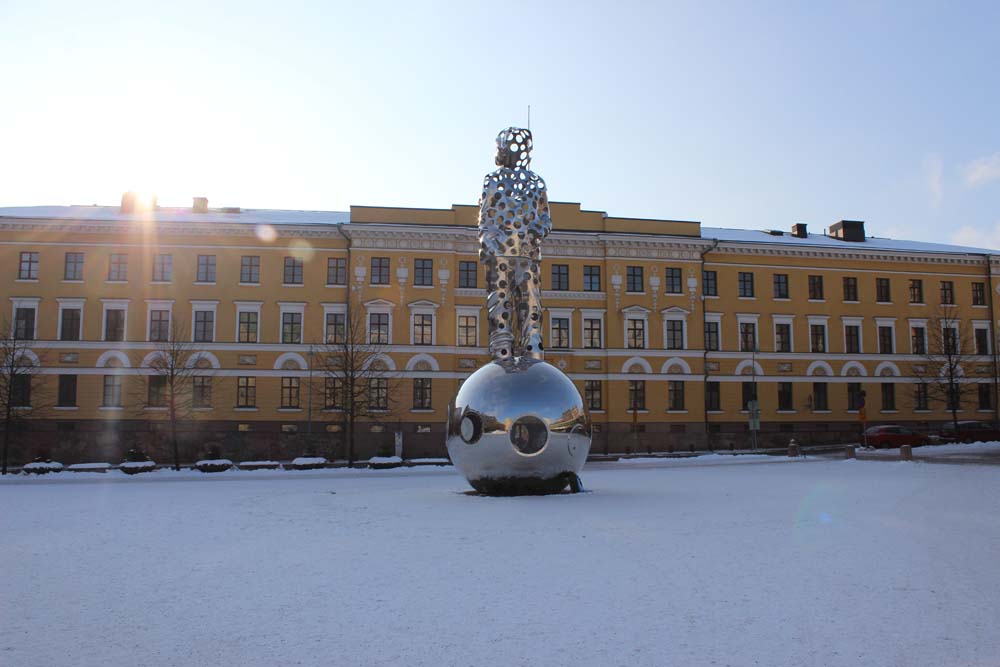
[[531, 291], [498, 308]]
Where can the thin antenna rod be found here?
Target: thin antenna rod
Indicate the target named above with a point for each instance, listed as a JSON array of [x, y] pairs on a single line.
[[529, 116]]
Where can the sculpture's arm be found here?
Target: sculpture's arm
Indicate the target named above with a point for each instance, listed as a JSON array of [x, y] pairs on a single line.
[[488, 226], [544, 216]]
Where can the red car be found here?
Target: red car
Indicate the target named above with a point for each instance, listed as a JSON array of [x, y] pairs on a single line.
[[891, 435], [969, 431]]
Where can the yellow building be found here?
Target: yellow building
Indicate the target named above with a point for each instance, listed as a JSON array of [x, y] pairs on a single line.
[[667, 327]]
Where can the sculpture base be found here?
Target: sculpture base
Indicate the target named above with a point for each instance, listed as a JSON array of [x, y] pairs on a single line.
[[526, 486]]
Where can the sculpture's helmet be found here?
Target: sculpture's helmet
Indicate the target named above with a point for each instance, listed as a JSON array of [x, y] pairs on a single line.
[[514, 148]]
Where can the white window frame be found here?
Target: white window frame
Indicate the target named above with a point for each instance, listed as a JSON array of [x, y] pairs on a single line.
[[422, 307], [635, 313], [783, 319], [956, 325], [562, 313], [246, 307], [210, 305], [24, 302], [886, 322], [159, 304], [381, 307], [717, 318], [747, 318], [467, 311], [858, 322], [817, 320], [113, 304], [920, 323], [591, 314], [289, 307], [674, 314], [985, 325], [66, 303]]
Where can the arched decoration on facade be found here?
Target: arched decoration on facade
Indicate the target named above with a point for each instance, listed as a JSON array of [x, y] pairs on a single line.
[[749, 367], [32, 359], [820, 368], [113, 359], [289, 361], [630, 366], [381, 362], [675, 366], [147, 361], [422, 362], [887, 369], [854, 369]]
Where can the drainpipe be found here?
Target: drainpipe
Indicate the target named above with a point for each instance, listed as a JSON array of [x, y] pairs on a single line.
[[993, 339], [704, 352]]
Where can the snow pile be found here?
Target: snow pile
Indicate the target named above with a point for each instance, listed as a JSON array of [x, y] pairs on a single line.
[[213, 465], [89, 467], [133, 467], [259, 465], [42, 467], [385, 462], [307, 463]]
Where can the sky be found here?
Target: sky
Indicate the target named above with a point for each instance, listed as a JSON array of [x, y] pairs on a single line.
[[736, 114]]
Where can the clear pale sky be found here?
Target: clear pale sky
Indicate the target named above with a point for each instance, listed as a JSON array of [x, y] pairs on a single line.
[[737, 114]]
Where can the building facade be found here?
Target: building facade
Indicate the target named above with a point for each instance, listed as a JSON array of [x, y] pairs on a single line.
[[669, 329]]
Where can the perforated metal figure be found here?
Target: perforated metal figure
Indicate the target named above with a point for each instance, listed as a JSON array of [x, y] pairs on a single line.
[[513, 220]]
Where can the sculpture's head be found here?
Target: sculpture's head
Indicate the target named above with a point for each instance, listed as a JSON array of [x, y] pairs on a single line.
[[514, 148]]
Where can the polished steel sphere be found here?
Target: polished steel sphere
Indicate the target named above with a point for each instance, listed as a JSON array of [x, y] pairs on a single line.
[[518, 426]]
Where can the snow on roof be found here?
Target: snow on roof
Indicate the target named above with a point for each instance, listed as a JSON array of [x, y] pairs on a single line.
[[821, 240], [180, 214]]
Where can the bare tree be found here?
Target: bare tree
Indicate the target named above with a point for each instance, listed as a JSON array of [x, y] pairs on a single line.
[[946, 351], [21, 390], [352, 375], [173, 382]]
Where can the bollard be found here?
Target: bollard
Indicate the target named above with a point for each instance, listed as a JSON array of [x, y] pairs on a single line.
[[793, 448], [906, 453], [849, 451]]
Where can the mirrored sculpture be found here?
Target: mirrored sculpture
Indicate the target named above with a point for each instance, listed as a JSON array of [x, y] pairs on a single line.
[[518, 425]]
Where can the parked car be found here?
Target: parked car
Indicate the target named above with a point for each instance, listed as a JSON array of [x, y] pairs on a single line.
[[969, 431], [892, 435]]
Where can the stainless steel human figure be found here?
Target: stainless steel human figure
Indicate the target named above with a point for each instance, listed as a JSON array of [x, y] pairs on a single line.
[[513, 220]]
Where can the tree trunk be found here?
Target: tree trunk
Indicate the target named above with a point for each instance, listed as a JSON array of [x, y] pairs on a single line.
[[6, 438], [350, 440], [173, 433]]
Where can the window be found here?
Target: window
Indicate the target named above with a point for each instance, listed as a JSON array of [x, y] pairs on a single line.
[[782, 337], [675, 394], [852, 339], [291, 327], [820, 398], [20, 391], [713, 396], [885, 342], [249, 321], [816, 288], [978, 294], [985, 396], [333, 397], [204, 326], [592, 279], [710, 283], [780, 286], [293, 271], [112, 396], [67, 391], [250, 269], [749, 393], [916, 290], [918, 339], [163, 268], [201, 392], [114, 324], [947, 292], [920, 397], [711, 335], [468, 275], [954, 398], [206, 269], [468, 326], [378, 328], [633, 279], [73, 267], [423, 329], [636, 333], [888, 396], [24, 323], [817, 338], [593, 394], [378, 393], [118, 266], [672, 276], [883, 292], [380, 271], [675, 335], [246, 392], [423, 273], [156, 391], [850, 288], [748, 336], [289, 393], [746, 284], [422, 394], [336, 328], [336, 271], [982, 341], [560, 277], [636, 394], [28, 268], [949, 340], [70, 328], [159, 325], [855, 397], [785, 401], [592, 333], [560, 332]]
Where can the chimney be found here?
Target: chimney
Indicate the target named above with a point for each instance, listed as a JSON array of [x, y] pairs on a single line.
[[200, 205], [799, 230], [848, 230], [133, 202]]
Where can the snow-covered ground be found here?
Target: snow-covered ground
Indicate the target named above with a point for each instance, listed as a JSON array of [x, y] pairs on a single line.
[[725, 562]]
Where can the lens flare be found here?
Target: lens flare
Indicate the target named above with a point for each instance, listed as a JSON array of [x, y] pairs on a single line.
[[266, 233]]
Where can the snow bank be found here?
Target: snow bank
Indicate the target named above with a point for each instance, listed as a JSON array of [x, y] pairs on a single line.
[[42, 467], [213, 465], [134, 467], [258, 465], [385, 461], [90, 467], [307, 463]]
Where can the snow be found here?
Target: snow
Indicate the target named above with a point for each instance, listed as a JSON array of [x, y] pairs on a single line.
[[308, 461], [90, 467], [42, 466], [978, 450], [821, 240], [214, 462], [385, 460], [259, 464], [780, 562], [138, 464]]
